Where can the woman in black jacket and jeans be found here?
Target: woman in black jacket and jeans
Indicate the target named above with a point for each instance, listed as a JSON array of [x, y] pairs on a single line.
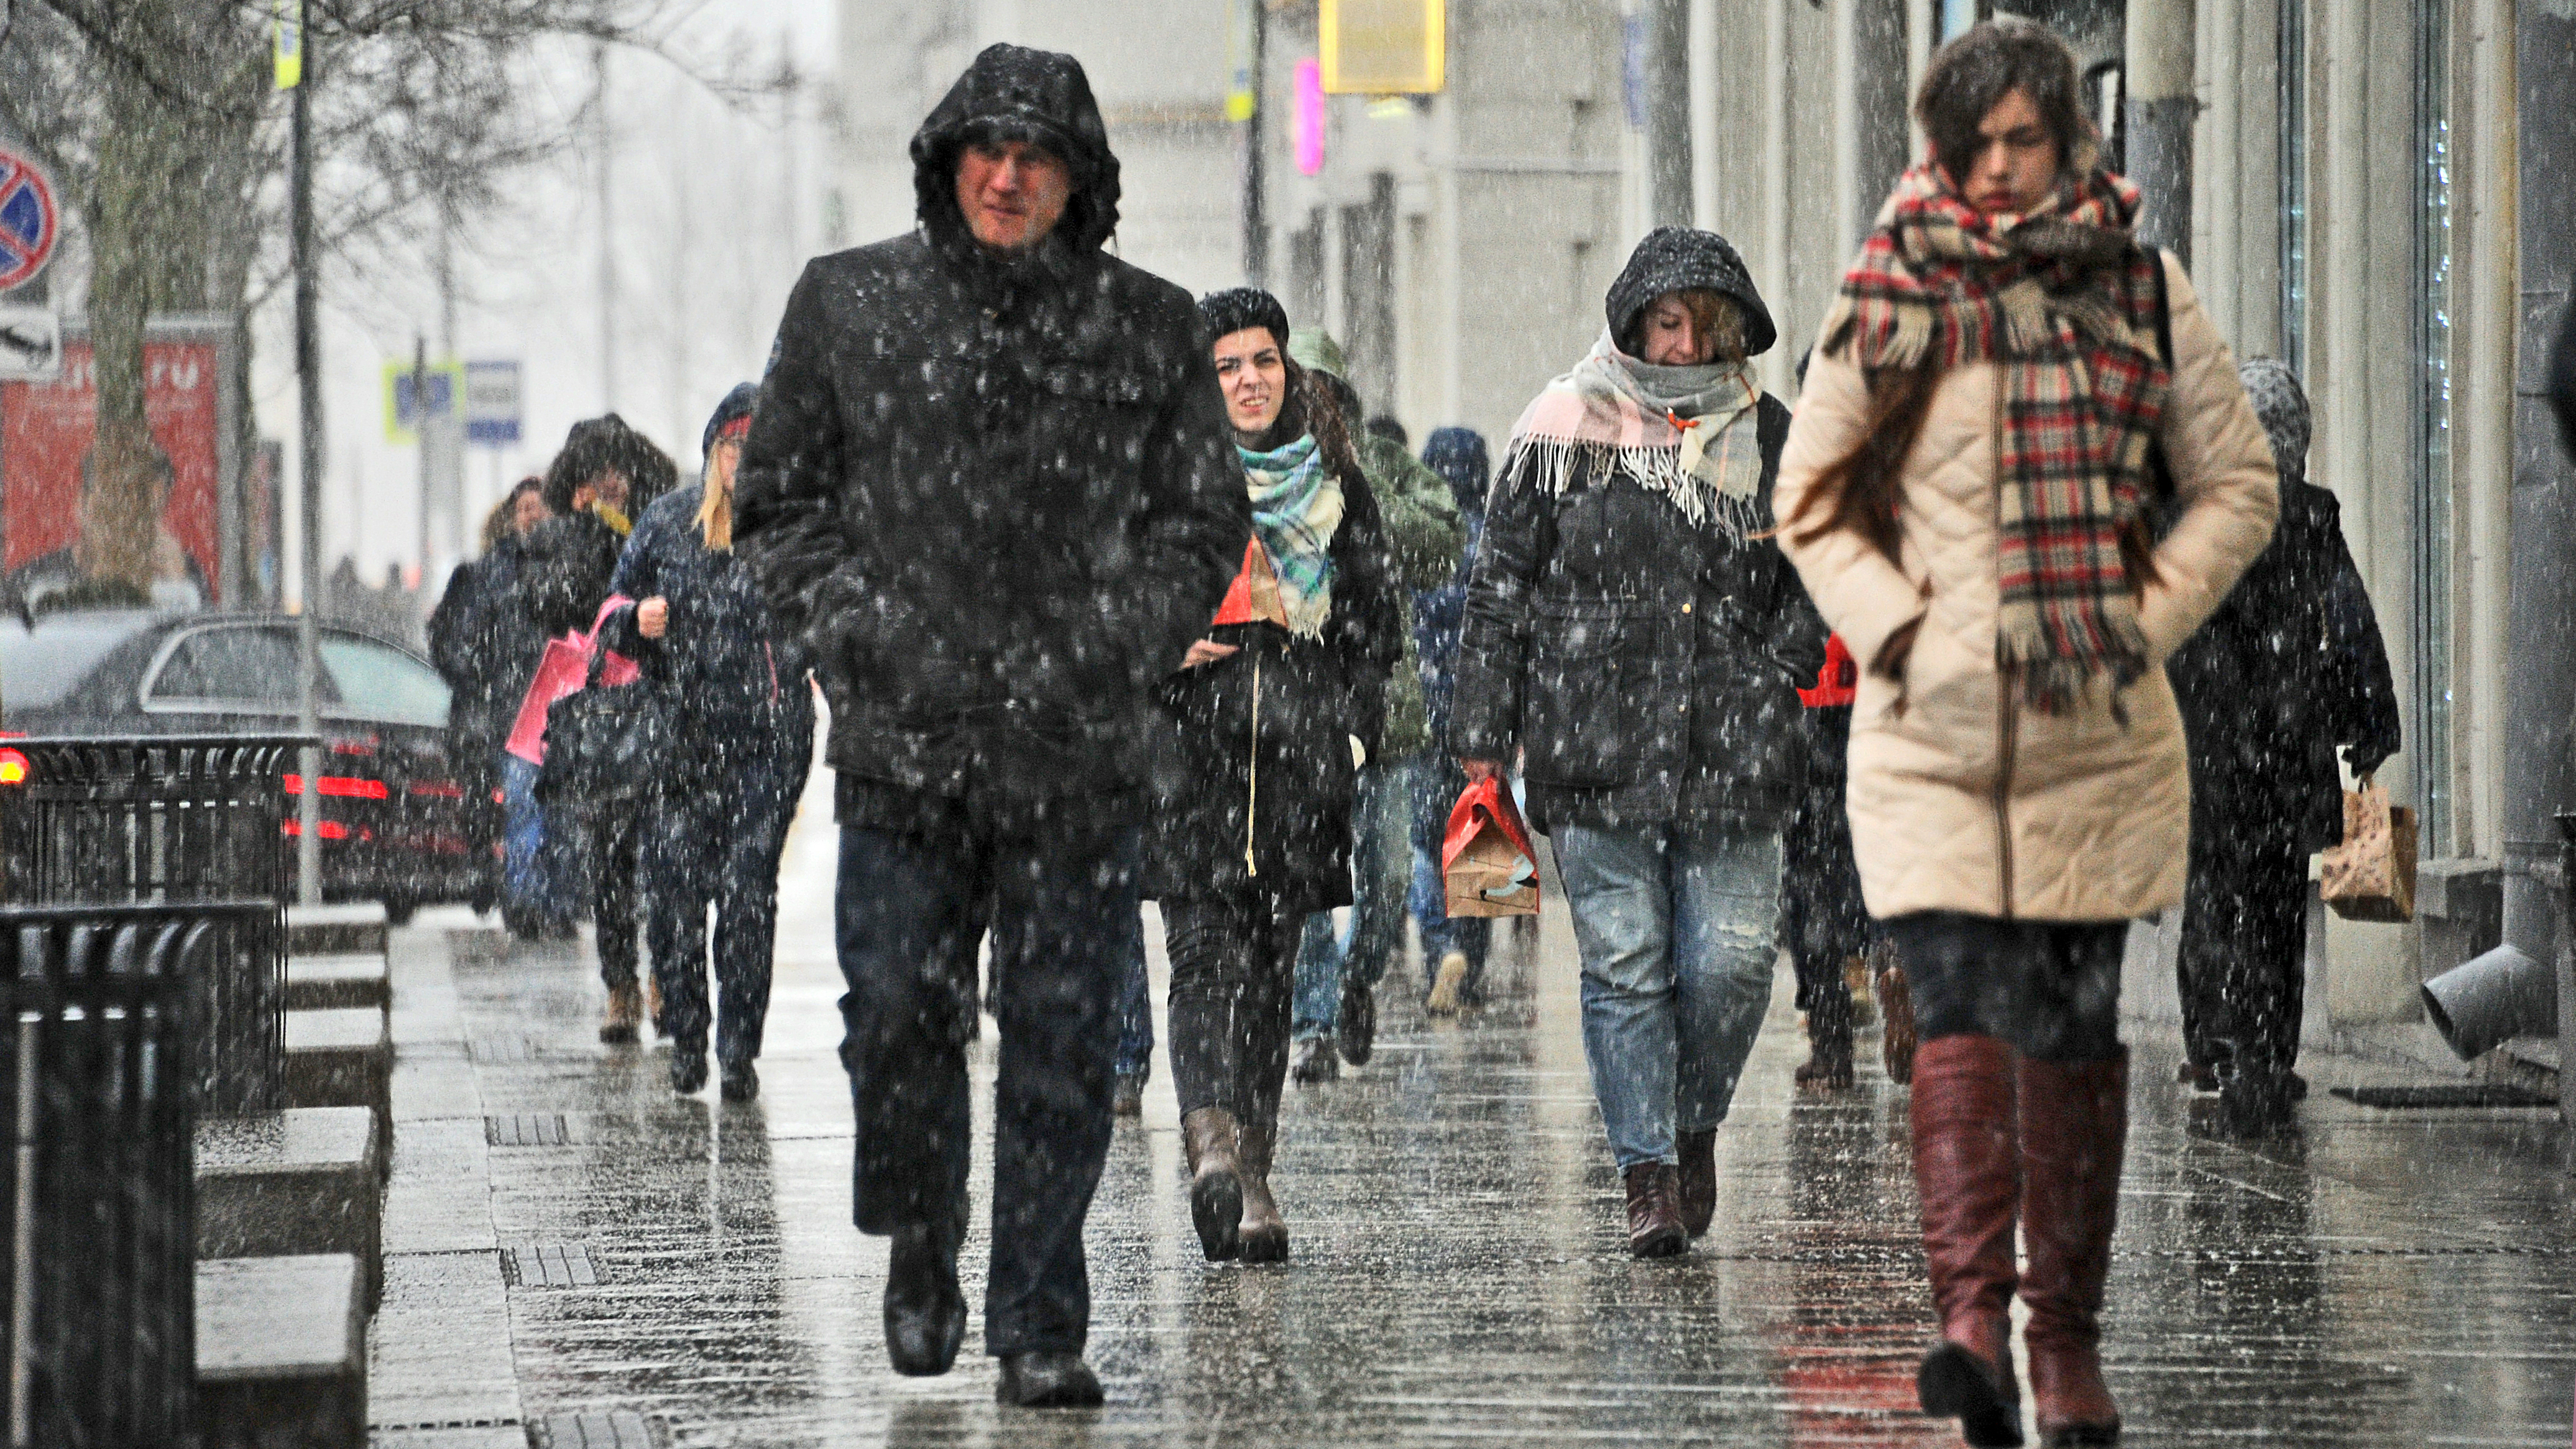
[[1255, 766], [1632, 629], [742, 739]]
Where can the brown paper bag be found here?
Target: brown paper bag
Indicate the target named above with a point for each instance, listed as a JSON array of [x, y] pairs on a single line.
[[1485, 856], [2371, 875]]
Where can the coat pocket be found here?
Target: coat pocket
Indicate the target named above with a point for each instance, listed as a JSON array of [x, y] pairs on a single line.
[[1589, 674]]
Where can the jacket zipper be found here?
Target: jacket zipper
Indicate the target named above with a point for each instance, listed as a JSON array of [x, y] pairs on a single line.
[[1252, 774], [2007, 728]]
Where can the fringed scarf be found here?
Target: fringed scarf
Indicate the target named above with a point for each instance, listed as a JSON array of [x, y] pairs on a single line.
[[1296, 507], [2066, 300], [1691, 434]]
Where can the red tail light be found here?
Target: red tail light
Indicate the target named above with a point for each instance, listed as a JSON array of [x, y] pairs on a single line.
[[443, 789], [331, 830], [346, 787], [13, 767]]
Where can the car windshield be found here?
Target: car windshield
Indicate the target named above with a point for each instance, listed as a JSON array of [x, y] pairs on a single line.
[[380, 682], [247, 663], [39, 667]]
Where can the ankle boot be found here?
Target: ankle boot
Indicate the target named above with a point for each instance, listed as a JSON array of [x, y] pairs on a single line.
[[1966, 1164], [1654, 1212], [1216, 1181], [2074, 1131], [1695, 1179], [1829, 1039], [625, 1010], [1265, 1232], [1896, 1020], [925, 1311]]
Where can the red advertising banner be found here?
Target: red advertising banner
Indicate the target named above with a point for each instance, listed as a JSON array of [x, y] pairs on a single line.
[[45, 432]]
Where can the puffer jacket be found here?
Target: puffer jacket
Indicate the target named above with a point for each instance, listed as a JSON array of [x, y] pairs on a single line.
[[994, 497], [1648, 668], [1958, 802], [733, 676]]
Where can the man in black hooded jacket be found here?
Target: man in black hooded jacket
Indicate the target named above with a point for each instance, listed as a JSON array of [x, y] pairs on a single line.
[[991, 487]]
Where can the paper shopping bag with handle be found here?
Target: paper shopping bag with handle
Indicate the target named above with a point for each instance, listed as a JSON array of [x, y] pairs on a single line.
[[2371, 875], [1486, 857]]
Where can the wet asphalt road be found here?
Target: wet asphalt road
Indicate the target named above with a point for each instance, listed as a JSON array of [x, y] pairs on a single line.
[[577, 1257]]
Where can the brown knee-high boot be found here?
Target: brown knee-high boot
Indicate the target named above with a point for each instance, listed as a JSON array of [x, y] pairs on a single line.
[[2074, 1131], [1966, 1167]]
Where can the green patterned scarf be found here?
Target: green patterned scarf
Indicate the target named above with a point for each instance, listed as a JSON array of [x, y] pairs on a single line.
[[1296, 506]]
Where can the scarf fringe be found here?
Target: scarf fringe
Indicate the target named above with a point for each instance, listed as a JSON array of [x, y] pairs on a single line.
[[1552, 464], [2053, 679]]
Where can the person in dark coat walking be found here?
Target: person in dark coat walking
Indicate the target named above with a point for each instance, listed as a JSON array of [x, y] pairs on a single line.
[[989, 489], [485, 650], [1632, 629], [1823, 925], [1258, 742], [2290, 667], [743, 738], [571, 561], [1452, 950]]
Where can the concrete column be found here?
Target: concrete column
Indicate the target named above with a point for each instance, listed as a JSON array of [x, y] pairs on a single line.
[[2217, 244], [1846, 42], [1703, 114], [2160, 114], [1668, 111], [1777, 365]]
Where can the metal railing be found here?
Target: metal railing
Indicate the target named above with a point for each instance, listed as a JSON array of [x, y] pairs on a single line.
[[97, 1032], [139, 819]]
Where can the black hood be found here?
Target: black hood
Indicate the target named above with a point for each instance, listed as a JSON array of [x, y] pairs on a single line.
[[1012, 93], [1676, 258]]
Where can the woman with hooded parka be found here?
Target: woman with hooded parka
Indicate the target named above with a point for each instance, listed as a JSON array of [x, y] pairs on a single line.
[[1632, 631], [2006, 390], [1258, 739]]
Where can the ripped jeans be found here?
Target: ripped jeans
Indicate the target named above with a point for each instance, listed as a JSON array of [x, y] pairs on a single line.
[[1675, 926]]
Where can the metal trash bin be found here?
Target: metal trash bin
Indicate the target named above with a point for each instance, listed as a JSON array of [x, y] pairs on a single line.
[[152, 818]]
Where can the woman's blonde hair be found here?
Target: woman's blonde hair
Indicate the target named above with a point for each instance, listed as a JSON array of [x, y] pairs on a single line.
[[715, 508]]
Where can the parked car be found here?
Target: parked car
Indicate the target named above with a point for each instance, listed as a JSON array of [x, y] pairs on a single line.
[[393, 826]]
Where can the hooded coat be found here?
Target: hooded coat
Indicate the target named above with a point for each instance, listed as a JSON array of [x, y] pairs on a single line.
[[1457, 455], [2291, 665], [992, 495]]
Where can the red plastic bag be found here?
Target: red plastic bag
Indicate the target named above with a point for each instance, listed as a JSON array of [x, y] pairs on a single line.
[[1485, 857], [561, 671]]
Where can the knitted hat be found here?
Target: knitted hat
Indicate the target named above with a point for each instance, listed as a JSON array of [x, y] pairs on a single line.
[[732, 416], [1458, 456], [1237, 309], [1678, 258], [2282, 406]]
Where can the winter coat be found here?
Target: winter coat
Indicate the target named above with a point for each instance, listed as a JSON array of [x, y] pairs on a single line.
[[2289, 667], [1423, 539], [1958, 803], [1253, 773], [569, 561], [730, 673], [1648, 668], [1457, 455], [995, 498], [485, 646]]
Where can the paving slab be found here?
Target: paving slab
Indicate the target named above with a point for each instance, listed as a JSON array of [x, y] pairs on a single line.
[[339, 981]]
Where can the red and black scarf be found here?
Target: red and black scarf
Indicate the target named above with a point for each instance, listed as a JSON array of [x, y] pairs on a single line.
[[2067, 301]]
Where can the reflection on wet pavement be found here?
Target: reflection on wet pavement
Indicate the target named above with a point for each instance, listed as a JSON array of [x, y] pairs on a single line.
[[1459, 1272]]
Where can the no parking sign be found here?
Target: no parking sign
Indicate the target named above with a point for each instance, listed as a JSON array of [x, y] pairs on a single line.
[[29, 225]]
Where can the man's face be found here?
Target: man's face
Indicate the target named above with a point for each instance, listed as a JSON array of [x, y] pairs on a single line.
[[1253, 377], [528, 512], [2016, 165], [1012, 193]]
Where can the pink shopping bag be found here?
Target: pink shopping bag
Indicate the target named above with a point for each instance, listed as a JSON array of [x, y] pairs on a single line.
[[561, 671]]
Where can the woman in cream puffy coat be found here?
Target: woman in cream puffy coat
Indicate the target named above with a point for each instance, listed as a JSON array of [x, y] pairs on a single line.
[[2010, 818]]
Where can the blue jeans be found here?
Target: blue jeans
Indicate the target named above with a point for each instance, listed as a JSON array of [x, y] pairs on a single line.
[[1437, 784], [1676, 928], [1327, 961], [1135, 997], [909, 913], [537, 866]]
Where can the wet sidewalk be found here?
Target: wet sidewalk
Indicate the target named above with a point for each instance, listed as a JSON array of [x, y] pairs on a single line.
[[576, 1257]]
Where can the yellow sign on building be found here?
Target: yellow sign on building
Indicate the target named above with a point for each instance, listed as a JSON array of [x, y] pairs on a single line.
[[1383, 47]]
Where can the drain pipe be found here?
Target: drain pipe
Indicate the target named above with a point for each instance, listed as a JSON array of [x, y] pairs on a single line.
[[2161, 109]]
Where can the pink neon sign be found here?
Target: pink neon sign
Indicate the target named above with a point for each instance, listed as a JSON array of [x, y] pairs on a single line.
[[1310, 117]]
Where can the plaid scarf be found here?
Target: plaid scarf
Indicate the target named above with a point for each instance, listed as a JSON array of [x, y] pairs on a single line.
[[1692, 434], [1296, 508], [2065, 299]]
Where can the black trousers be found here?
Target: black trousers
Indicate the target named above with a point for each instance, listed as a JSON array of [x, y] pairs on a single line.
[[2243, 965], [1234, 969], [911, 911], [2049, 988], [720, 848], [615, 836]]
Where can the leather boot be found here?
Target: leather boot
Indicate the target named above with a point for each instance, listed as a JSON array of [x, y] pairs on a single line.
[[1829, 1040], [925, 1311], [1265, 1232], [2074, 1131], [1695, 1179], [625, 1010], [1654, 1212], [1216, 1181], [1896, 1013], [1047, 1381], [1966, 1164]]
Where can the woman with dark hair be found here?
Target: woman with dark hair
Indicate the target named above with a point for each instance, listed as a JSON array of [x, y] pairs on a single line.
[[743, 734], [485, 649], [1258, 740], [604, 467], [2008, 386], [1634, 634]]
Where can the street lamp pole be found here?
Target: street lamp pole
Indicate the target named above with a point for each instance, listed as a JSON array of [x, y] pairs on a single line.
[[308, 379]]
